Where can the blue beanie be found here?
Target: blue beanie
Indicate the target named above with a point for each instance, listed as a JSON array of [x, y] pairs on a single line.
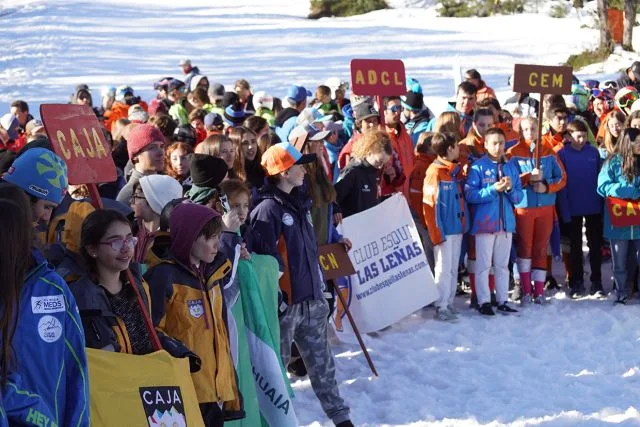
[[40, 173]]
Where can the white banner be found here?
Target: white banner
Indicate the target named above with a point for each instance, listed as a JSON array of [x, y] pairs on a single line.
[[393, 278]]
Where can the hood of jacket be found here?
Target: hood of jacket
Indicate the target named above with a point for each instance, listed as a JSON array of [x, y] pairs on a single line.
[[186, 223], [285, 115]]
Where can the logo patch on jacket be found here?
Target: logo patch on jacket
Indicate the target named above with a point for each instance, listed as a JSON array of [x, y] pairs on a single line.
[[49, 329], [48, 304], [287, 219], [366, 189], [196, 308], [163, 406]]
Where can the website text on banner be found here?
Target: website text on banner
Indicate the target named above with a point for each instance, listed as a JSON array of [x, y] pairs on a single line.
[[392, 278]]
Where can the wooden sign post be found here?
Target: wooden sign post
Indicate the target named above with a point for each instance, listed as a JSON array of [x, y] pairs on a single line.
[[544, 80], [378, 77], [335, 263]]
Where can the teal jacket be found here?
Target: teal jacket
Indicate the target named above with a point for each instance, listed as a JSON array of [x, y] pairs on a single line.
[[612, 183]]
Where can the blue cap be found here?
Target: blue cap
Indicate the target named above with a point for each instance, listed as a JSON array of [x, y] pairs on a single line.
[[40, 173], [298, 93]]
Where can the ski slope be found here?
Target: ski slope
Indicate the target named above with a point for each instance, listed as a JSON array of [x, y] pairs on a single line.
[[571, 363]]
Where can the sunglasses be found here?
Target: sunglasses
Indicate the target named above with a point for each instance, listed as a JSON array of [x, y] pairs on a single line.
[[119, 244], [395, 108]]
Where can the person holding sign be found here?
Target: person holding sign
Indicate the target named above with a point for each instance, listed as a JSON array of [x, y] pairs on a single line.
[[445, 212], [535, 212], [492, 188], [620, 178], [281, 221]]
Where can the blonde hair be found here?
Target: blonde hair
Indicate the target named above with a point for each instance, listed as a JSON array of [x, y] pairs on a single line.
[[372, 141], [211, 145], [449, 122]]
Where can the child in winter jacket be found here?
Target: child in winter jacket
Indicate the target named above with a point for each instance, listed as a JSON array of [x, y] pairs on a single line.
[[424, 157], [446, 217], [535, 212], [492, 189], [620, 178], [187, 303], [579, 202], [282, 226], [358, 187]]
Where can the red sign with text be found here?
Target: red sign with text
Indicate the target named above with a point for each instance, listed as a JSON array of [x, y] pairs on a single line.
[[381, 77], [76, 136], [623, 213]]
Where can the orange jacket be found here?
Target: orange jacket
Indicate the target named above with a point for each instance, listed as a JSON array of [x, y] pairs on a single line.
[[555, 142], [511, 137], [119, 111], [402, 144], [485, 92], [416, 183]]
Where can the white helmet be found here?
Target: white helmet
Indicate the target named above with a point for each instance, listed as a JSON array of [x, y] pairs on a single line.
[[261, 99]]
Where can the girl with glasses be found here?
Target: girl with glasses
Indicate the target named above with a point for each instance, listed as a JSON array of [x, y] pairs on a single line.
[[112, 318]]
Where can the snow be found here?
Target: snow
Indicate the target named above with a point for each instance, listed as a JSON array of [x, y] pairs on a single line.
[[566, 364]]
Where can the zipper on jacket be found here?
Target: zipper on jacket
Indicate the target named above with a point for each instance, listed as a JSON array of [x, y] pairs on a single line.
[[500, 216]]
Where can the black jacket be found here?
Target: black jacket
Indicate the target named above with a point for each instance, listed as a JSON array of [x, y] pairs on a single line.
[[357, 187], [624, 80], [103, 329]]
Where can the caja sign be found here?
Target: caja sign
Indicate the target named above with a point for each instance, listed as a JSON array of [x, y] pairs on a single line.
[[623, 213], [76, 136]]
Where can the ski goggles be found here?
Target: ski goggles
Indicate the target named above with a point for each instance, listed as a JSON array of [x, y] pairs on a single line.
[[627, 100]]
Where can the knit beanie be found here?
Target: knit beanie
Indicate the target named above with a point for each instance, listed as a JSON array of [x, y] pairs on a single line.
[[160, 190], [40, 173], [207, 171], [141, 136]]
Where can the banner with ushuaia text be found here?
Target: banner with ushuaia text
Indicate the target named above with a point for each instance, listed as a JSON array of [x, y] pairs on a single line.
[[393, 278]]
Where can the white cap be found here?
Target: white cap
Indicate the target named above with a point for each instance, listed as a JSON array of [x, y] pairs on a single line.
[[313, 133], [263, 99], [184, 62]]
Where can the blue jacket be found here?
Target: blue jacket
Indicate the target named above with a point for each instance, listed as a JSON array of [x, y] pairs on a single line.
[[445, 210], [552, 170], [283, 228], [580, 197], [612, 183], [492, 211], [466, 119], [50, 347], [419, 124]]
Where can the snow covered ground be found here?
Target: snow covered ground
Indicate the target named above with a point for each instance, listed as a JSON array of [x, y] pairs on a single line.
[[566, 364]]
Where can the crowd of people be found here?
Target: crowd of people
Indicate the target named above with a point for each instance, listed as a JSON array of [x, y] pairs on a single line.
[[208, 177]]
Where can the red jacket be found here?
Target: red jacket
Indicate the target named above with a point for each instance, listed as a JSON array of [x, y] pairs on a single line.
[[403, 145]]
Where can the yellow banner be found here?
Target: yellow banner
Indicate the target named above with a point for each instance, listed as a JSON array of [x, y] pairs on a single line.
[[150, 390]]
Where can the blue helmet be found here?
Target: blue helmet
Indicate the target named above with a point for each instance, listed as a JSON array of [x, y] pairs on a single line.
[[40, 173]]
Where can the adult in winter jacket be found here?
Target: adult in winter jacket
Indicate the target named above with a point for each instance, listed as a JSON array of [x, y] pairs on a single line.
[[286, 120], [189, 72], [187, 304], [358, 187], [536, 211], [630, 76], [620, 177], [145, 146], [464, 105], [282, 226], [400, 141], [491, 190], [418, 115]]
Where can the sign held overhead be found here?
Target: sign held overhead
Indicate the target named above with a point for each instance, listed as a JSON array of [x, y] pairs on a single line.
[[378, 77], [542, 79]]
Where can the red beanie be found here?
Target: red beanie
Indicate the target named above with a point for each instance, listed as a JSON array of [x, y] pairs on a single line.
[[156, 106], [141, 136]]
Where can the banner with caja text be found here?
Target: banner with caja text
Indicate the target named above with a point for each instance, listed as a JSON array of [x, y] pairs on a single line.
[[392, 278]]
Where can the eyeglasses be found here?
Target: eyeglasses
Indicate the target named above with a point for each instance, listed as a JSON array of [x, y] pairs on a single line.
[[395, 108], [135, 197], [118, 244]]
